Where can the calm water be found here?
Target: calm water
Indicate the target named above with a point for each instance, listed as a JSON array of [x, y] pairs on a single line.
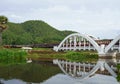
[[46, 73]]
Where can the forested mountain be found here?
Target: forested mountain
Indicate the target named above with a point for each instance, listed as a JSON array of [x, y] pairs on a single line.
[[32, 32]]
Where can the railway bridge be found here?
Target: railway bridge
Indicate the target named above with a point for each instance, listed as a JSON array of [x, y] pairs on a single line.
[[78, 41]]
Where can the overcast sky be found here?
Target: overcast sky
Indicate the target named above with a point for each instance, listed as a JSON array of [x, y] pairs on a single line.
[[100, 18]]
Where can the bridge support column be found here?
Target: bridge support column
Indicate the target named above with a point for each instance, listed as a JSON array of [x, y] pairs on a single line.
[[84, 43], [89, 46], [102, 51], [79, 44], [70, 42], [74, 42]]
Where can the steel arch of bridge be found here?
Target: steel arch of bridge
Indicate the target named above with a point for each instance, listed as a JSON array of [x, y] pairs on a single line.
[[117, 39], [101, 49]]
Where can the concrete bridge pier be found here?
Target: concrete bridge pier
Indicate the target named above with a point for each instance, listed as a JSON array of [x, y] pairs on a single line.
[[103, 54]]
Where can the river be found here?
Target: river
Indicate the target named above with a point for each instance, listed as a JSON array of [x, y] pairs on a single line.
[[45, 73]]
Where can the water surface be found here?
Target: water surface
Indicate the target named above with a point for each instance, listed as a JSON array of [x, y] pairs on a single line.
[[46, 73]]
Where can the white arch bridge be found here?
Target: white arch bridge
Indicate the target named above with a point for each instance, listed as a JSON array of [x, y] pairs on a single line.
[[79, 41]]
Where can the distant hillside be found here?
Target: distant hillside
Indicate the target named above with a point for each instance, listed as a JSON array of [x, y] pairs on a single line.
[[32, 32]]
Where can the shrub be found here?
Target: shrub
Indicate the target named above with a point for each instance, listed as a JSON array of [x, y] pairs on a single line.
[[118, 75], [12, 56], [81, 56]]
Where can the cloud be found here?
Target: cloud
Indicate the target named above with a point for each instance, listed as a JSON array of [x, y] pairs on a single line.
[[15, 16], [95, 17]]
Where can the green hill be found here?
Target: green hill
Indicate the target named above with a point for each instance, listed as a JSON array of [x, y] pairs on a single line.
[[32, 32]]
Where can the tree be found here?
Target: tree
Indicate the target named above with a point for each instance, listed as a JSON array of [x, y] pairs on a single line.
[[3, 26]]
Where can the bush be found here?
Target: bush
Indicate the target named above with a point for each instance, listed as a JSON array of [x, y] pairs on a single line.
[[118, 75], [12, 56], [81, 56]]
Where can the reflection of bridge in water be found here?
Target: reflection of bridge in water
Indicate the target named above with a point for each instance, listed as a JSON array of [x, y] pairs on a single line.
[[79, 42], [86, 70]]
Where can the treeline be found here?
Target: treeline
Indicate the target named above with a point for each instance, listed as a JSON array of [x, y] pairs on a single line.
[[32, 32]]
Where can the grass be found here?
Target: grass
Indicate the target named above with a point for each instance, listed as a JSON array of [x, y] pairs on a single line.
[[47, 55], [43, 49], [12, 56], [118, 75], [81, 56], [70, 55]]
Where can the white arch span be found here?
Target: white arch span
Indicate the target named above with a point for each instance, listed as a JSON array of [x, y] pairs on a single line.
[[113, 43], [102, 49], [96, 46]]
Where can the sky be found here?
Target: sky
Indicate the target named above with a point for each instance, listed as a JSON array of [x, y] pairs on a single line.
[[99, 18]]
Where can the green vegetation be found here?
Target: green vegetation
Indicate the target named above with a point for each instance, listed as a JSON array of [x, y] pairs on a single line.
[[3, 22], [42, 49], [3, 26], [32, 32], [15, 56], [118, 75], [12, 56], [83, 56], [46, 55]]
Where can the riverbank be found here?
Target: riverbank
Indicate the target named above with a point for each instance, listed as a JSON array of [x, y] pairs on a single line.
[[47, 54], [17, 55]]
